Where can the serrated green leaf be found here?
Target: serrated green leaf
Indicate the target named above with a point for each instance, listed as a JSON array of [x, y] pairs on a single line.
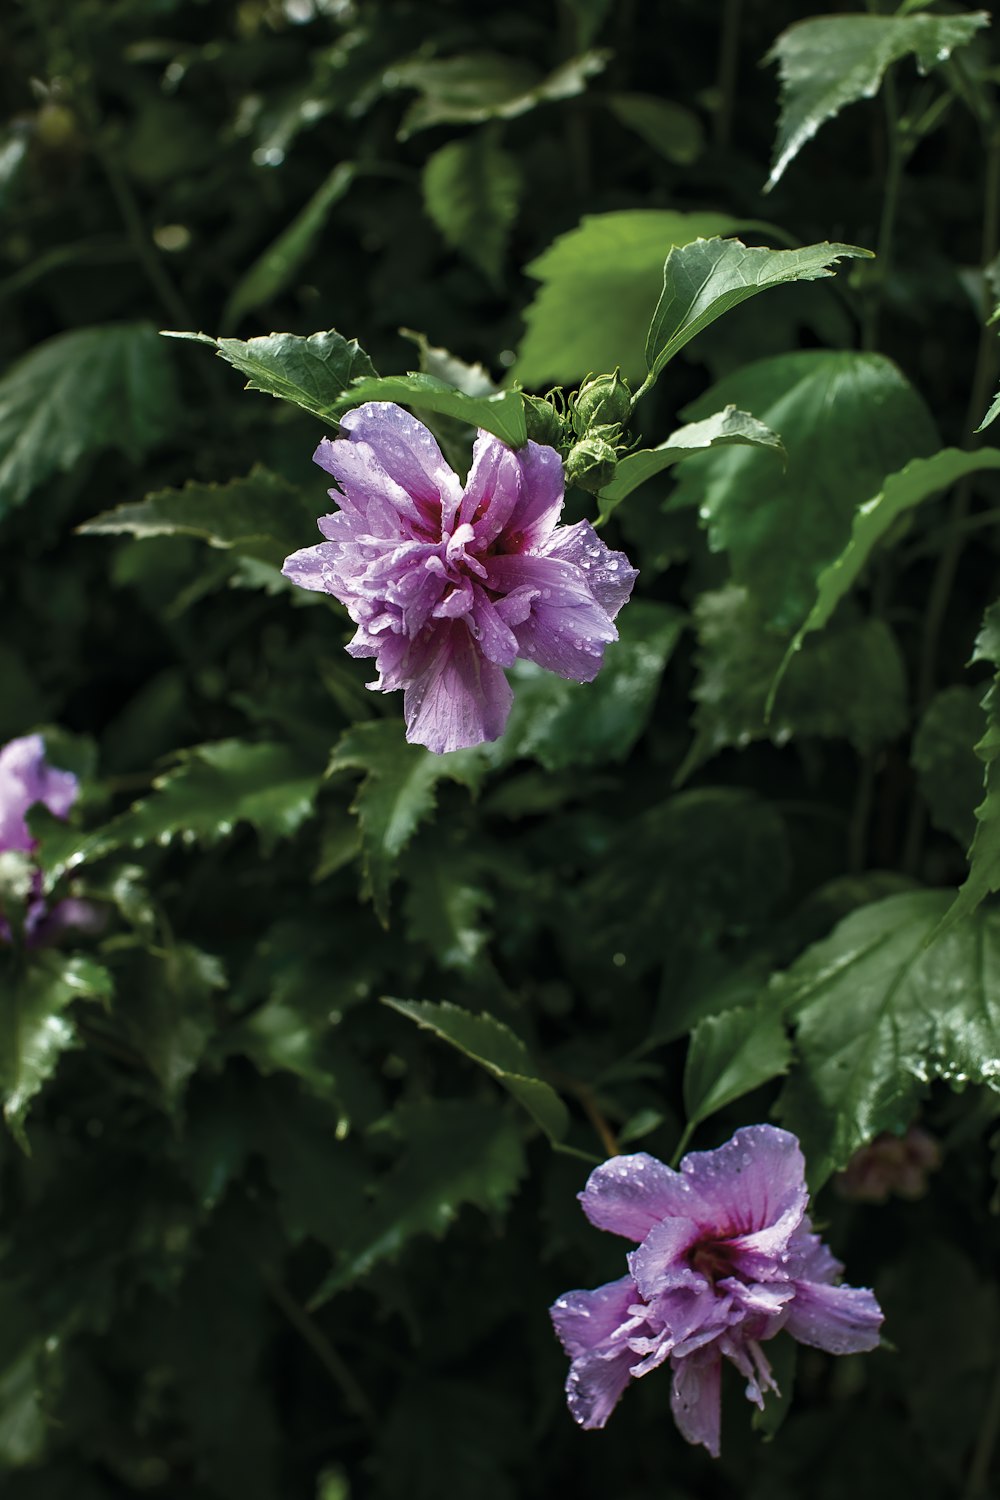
[[36, 1031], [900, 493], [397, 794], [849, 683], [447, 902], [828, 62], [203, 797], [943, 756], [731, 1054], [879, 1014], [563, 724], [310, 372], [494, 1047], [456, 1152], [471, 190], [502, 414], [984, 855], [480, 86], [721, 430], [671, 130], [261, 516], [273, 270], [170, 1019], [846, 420], [599, 282], [81, 393], [992, 414], [709, 277]]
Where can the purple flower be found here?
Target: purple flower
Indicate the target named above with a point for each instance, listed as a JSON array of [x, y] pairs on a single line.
[[726, 1259], [26, 778], [449, 586]]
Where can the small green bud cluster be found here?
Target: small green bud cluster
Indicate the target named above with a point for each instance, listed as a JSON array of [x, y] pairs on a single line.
[[598, 413]]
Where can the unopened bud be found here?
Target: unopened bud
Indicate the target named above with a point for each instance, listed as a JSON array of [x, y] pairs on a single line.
[[591, 462], [602, 401], [544, 423]]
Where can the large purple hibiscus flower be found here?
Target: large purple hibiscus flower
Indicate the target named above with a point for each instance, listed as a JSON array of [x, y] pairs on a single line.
[[449, 586], [726, 1260]]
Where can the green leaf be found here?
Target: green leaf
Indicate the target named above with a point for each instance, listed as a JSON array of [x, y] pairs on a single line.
[[944, 758], [211, 789], [992, 414], [260, 516], [494, 1047], [396, 796], [879, 1014], [670, 129], [846, 420], [731, 1054], [447, 901], [311, 372], [599, 282], [984, 856], [456, 1152], [471, 190], [36, 1032], [900, 493], [563, 724], [502, 414], [724, 428], [81, 393], [828, 62], [273, 270], [705, 279], [485, 86], [170, 1018], [850, 683]]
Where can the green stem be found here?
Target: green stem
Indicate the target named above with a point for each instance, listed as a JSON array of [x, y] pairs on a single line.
[[328, 1357]]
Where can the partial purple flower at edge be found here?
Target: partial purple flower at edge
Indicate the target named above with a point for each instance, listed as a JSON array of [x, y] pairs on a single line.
[[726, 1259], [26, 779], [449, 586]]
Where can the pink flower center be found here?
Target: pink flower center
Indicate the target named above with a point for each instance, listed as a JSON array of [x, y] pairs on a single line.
[[711, 1260]]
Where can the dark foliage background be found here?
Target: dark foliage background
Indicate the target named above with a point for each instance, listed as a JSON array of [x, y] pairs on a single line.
[[261, 1235]]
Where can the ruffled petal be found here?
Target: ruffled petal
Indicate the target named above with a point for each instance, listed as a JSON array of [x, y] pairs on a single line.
[[567, 629], [492, 489], [455, 697], [26, 778], [609, 575], [315, 568], [696, 1398], [839, 1319], [594, 1386], [540, 500], [406, 450], [754, 1183], [584, 1320], [628, 1195], [660, 1263]]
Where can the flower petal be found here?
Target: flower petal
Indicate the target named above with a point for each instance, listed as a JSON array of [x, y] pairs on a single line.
[[660, 1263], [609, 574], [26, 778], [594, 1386], [540, 500], [455, 697], [492, 489], [839, 1319], [314, 567], [406, 450], [629, 1194], [754, 1183], [696, 1398], [584, 1320], [567, 629]]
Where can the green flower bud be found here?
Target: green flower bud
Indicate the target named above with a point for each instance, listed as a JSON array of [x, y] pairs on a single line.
[[591, 461], [602, 401], [544, 423]]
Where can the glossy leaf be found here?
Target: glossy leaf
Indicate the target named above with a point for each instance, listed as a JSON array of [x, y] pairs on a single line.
[[81, 393], [672, 131], [846, 420], [879, 1013], [707, 278], [828, 62], [730, 1055], [398, 793], [310, 372], [943, 756], [724, 428], [471, 191], [36, 1029], [502, 414], [600, 282], [494, 1047]]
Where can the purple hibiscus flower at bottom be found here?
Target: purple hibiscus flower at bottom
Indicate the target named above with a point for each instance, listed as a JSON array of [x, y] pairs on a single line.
[[448, 585], [26, 778], [726, 1260]]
